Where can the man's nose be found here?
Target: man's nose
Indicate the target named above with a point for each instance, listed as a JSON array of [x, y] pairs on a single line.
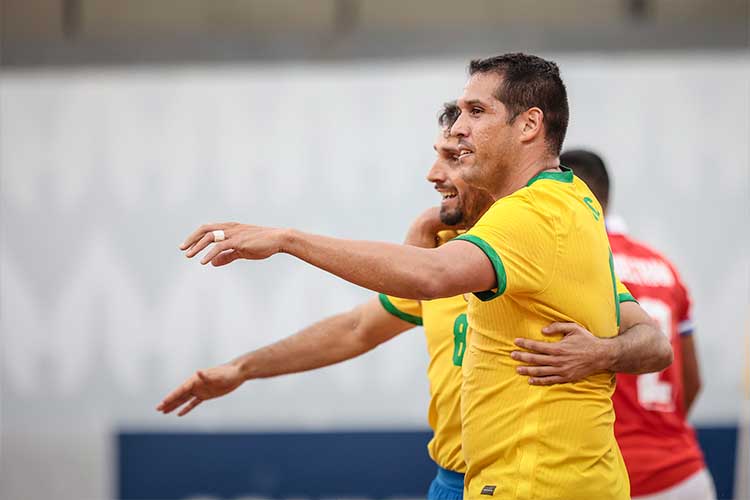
[[460, 127], [436, 174]]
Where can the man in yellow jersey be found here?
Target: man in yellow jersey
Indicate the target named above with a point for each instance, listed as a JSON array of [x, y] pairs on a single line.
[[546, 241], [539, 255], [350, 334]]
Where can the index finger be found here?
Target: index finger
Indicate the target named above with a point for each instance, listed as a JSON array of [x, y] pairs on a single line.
[[175, 398], [196, 235], [559, 327], [536, 346]]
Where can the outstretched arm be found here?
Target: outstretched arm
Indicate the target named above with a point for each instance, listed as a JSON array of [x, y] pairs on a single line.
[[398, 270], [332, 340], [640, 347]]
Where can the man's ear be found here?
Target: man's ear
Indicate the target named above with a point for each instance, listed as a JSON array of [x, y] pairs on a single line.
[[532, 121]]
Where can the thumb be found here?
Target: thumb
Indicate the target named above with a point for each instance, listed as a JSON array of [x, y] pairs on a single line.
[[559, 328], [202, 375]]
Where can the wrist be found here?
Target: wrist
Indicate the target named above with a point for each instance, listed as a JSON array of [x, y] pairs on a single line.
[[287, 238], [423, 232], [610, 354], [429, 224], [245, 368]]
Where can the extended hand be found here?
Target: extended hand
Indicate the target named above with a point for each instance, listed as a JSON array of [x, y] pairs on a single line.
[[578, 355], [241, 241], [204, 384]]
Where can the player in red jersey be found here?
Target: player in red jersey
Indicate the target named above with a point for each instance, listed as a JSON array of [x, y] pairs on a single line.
[[661, 452]]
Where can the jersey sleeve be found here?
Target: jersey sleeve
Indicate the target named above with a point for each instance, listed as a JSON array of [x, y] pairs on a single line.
[[519, 242], [406, 309], [623, 294]]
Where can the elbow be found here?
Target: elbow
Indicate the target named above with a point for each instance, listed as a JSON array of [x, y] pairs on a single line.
[[694, 385], [663, 353], [667, 357], [362, 337], [427, 287], [666, 354], [428, 290], [363, 342], [434, 277]]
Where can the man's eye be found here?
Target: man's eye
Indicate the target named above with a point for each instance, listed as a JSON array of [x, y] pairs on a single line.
[[476, 111]]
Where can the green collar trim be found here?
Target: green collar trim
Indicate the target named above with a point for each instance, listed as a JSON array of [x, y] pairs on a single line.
[[565, 176]]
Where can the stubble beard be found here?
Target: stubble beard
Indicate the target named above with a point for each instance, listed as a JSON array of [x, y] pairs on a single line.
[[451, 216]]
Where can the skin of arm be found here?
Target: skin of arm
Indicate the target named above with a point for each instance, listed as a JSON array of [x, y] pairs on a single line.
[[332, 340], [399, 270], [691, 376], [640, 347]]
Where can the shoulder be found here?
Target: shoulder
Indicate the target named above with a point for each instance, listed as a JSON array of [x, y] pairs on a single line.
[[560, 193], [519, 202]]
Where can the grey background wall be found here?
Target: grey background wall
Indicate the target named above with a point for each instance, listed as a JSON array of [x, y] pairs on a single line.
[[104, 172]]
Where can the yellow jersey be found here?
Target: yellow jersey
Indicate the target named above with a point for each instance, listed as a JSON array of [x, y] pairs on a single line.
[[548, 246], [445, 327]]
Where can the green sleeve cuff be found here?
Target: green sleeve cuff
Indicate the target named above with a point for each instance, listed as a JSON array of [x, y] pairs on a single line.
[[388, 306], [626, 297], [497, 264]]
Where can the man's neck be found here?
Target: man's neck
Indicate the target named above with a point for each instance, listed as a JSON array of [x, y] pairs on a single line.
[[526, 170]]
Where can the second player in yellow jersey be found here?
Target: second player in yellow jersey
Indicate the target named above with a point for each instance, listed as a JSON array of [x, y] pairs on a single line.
[[445, 327]]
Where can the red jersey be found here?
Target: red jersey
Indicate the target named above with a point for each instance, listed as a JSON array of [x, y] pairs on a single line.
[[659, 447]]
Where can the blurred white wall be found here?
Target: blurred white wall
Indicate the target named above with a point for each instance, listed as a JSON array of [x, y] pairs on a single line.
[[104, 173]]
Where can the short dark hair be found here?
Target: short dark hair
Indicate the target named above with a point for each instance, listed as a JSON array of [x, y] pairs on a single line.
[[530, 81], [448, 115], [590, 167]]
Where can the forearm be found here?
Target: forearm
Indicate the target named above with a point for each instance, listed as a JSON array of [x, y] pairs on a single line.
[[691, 376], [398, 270], [642, 348], [327, 342], [691, 392]]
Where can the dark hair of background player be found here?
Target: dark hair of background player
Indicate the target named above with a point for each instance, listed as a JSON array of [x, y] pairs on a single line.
[[448, 116], [530, 81], [590, 168]]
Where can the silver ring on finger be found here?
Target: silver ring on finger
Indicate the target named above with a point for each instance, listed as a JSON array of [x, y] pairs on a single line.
[[219, 235]]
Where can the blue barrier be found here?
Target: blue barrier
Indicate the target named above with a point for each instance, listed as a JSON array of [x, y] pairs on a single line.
[[315, 465], [720, 449]]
